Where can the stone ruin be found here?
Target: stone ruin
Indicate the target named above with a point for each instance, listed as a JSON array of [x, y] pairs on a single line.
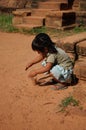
[[58, 14]]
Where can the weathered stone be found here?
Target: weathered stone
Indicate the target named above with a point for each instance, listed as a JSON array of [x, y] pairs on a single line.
[[17, 20], [81, 48], [60, 18], [14, 3], [22, 12], [82, 0], [74, 47], [81, 17], [58, 0], [83, 6], [75, 5], [69, 43], [80, 68], [53, 5], [81, 13], [19, 14]]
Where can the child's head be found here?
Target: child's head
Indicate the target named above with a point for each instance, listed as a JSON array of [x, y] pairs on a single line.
[[42, 42]]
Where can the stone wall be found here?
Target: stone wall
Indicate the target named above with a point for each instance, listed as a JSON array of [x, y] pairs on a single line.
[[7, 6], [75, 46], [15, 3], [77, 5], [80, 7]]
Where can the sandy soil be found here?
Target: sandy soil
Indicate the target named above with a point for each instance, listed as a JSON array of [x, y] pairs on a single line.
[[24, 106]]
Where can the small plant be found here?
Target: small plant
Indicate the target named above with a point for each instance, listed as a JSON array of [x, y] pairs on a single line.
[[68, 101]]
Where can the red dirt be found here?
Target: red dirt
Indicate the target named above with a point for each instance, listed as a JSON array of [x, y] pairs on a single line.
[[24, 106]]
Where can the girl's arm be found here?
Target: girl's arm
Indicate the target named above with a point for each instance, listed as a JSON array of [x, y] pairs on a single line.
[[34, 61], [41, 70]]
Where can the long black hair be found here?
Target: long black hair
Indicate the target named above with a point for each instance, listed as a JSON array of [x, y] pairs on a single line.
[[42, 41]]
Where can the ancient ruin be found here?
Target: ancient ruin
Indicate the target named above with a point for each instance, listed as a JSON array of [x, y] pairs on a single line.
[[58, 14]]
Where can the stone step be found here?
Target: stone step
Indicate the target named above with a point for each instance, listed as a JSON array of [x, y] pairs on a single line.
[[27, 26], [22, 12], [35, 20], [73, 46], [60, 19], [40, 12], [60, 13], [70, 43], [62, 28], [81, 48], [58, 1], [81, 17], [82, 6], [53, 5], [66, 27], [80, 68]]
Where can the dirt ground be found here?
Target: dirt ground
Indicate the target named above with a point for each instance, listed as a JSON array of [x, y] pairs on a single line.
[[24, 106]]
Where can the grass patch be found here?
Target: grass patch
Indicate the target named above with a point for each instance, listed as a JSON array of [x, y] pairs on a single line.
[[79, 29], [68, 101], [35, 30], [6, 23], [7, 26]]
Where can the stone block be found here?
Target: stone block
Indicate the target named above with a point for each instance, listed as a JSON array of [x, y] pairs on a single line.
[[57, 19], [81, 14], [53, 5], [80, 68], [81, 17], [17, 20], [69, 43], [83, 0], [36, 20], [81, 48], [22, 12], [19, 14], [82, 6]]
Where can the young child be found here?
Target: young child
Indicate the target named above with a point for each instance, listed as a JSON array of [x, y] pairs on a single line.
[[55, 61]]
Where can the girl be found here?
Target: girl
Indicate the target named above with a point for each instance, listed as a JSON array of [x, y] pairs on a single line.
[[55, 61]]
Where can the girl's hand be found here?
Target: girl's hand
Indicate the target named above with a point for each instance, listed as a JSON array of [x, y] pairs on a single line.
[[29, 65], [34, 61], [32, 74], [26, 68]]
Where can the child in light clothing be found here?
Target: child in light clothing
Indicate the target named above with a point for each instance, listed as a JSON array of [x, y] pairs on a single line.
[[54, 61]]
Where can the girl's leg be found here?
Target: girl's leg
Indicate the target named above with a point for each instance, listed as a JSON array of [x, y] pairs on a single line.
[[59, 75], [58, 85]]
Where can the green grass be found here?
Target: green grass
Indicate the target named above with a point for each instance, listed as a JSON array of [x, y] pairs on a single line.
[[34, 31], [68, 101], [6, 26], [6, 23], [79, 29]]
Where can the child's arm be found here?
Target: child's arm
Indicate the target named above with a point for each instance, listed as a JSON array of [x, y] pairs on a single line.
[[40, 70], [34, 61]]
